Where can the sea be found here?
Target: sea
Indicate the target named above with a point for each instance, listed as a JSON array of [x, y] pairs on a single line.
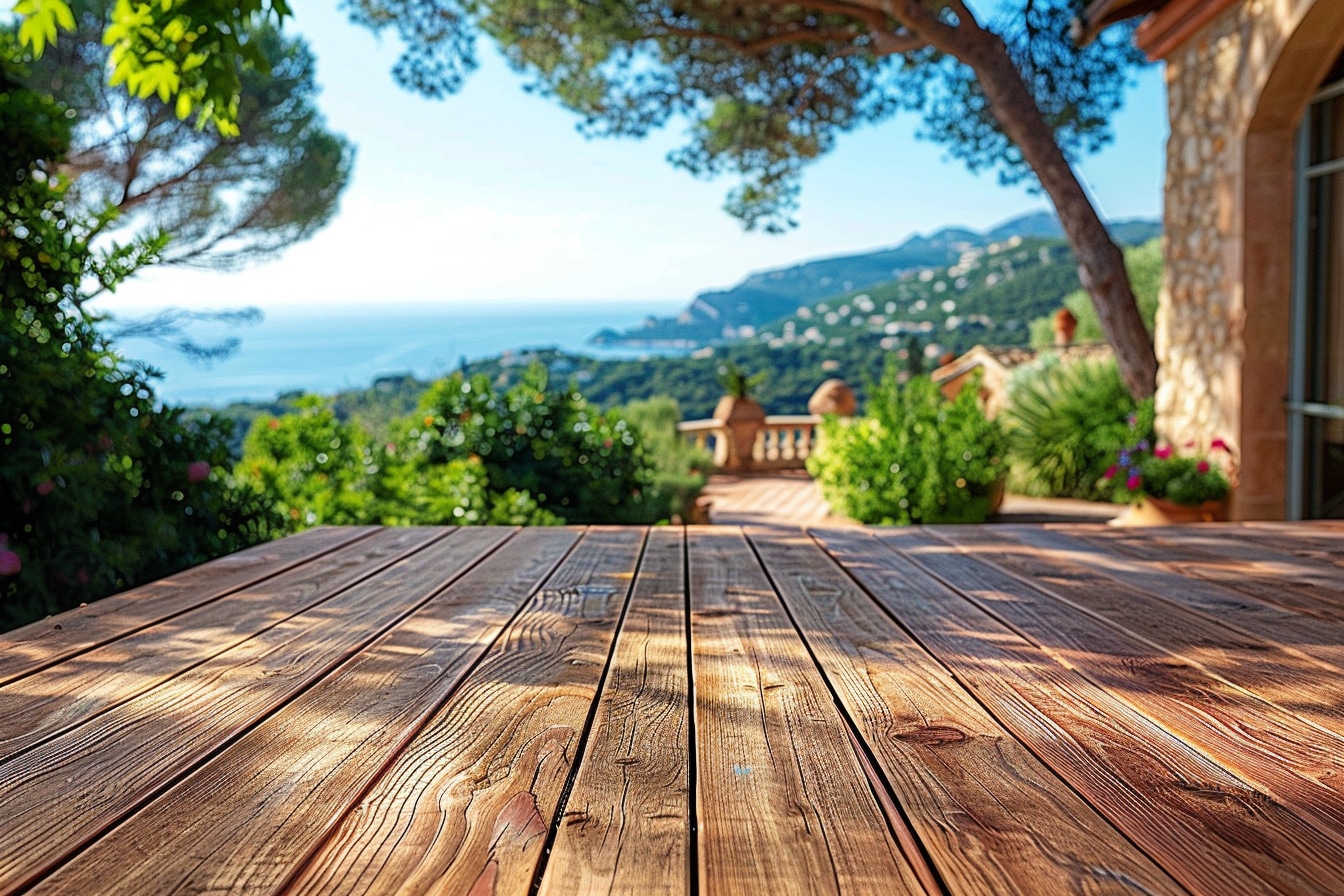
[[326, 350]]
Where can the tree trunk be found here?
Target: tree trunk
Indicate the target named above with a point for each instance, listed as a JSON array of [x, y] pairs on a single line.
[[1101, 263]]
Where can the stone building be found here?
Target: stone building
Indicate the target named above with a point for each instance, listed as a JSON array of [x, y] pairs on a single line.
[[1250, 332]]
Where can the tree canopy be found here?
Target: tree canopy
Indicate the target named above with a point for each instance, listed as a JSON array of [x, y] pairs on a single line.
[[224, 201]]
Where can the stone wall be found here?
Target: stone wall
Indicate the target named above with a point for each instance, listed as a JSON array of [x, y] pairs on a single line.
[[1198, 331], [1236, 90]]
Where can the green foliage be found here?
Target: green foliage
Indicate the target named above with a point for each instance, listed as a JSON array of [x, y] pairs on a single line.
[[1183, 480], [226, 201], [1144, 264], [915, 458], [100, 488], [582, 465], [1145, 468], [679, 469], [188, 52], [1065, 423], [314, 468], [736, 383]]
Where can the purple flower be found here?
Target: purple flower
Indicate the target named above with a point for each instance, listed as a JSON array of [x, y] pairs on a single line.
[[198, 471], [10, 564], [1133, 482], [1111, 471]]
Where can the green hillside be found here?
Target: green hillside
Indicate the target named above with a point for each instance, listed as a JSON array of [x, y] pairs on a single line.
[[767, 296]]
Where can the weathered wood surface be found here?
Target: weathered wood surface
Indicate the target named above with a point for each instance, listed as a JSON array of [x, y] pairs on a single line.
[[960, 710]]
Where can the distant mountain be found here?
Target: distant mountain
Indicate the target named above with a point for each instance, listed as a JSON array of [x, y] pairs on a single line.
[[771, 295]]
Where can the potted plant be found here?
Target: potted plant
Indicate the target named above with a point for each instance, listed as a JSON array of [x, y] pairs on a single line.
[[740, 414], [1165, 488]]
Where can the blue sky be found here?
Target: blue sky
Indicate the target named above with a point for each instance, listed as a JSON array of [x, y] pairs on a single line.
[[490, 196]]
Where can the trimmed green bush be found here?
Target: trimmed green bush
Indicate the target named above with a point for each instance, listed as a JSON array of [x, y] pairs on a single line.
[[916, 458]]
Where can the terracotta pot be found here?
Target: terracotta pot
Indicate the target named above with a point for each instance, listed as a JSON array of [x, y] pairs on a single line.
[[742, 418], [1151, 511]]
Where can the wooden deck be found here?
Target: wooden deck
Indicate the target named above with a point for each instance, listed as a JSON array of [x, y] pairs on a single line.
[[971, 710]]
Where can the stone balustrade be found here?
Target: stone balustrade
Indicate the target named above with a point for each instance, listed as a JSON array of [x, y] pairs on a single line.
[[781, 442]]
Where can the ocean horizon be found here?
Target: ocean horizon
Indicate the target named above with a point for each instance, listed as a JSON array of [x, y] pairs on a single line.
[[327, 350]]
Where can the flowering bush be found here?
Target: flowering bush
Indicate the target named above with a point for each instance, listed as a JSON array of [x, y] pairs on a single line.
[[1158, 472]]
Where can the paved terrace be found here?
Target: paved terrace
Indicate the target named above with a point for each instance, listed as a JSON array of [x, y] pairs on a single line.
[[792, 498], [989, 710]]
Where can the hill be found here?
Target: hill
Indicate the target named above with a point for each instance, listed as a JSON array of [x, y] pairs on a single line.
[[770, 295]]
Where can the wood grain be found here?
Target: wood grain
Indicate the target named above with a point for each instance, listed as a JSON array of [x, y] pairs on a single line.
[[783, 803], [1296, 584], [1283, 658], [1297, 764], [70, 789], [275, 794], [59, 697], [1211, 830], [467, 806], [992, 818], [57, 638], [626, 827]]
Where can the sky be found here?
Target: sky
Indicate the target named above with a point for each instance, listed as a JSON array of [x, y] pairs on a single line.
[[491, 197]]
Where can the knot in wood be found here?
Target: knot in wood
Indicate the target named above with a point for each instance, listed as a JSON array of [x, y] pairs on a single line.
[[933, 736]]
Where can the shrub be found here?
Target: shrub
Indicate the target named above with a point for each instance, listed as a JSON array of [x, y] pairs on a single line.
[[915, 457], [1066, 422], [315, 469], [577, 464], [678, 468]]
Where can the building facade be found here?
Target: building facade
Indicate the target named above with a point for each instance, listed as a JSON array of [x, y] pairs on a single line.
[[1250, 332]]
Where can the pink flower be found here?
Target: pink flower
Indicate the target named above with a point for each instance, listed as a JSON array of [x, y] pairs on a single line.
[[1202, 466], [198, 471], [1133, 482], [46, 488], [1219, 445], [1162, 452], [10, 564], [1111, 471]]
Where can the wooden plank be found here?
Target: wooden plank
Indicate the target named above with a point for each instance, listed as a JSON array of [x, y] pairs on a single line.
[[59, 697], [1320, 540], [782, 801], [467, 806], [626, 827], [1210, 829], [1296, 763], [1224, 635], [69, 790], [1293, 582], [52, 640], [275, 794], [992, 818]]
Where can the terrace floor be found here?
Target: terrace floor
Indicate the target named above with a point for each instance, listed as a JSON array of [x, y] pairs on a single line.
[[792, 498], [989, 710]]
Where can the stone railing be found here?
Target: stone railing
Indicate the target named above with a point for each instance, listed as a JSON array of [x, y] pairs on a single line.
[[781, 442]]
